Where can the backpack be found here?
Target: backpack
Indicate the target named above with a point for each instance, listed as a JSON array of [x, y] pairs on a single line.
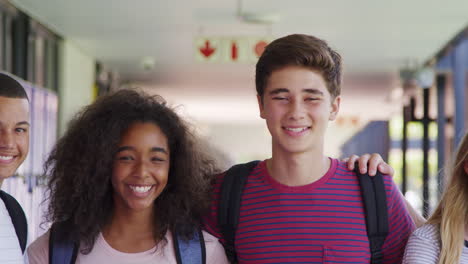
[[373, 195], [62, 250], [17, 217]]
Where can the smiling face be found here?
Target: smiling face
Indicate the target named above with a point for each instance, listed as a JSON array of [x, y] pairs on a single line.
[[297, 107], [14, 134], [141, 167]]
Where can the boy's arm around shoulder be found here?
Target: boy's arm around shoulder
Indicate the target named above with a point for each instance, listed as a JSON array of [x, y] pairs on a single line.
[[371, 163], [384, 168], [418, 219], [400, 223]]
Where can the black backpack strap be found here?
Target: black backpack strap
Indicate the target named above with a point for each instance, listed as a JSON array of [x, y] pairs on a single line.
[[192, 251], [229, 204], [62, 250], [375, 206], [17, 217]]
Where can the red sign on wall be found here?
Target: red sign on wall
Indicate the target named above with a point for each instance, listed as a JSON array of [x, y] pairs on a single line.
[[207, 49], [234, 51], [260, 47], [230, 49]]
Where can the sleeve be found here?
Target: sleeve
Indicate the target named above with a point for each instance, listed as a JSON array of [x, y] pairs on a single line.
[[214, 250], [421, 250], [210, 221], [38, 251], [400, 224]]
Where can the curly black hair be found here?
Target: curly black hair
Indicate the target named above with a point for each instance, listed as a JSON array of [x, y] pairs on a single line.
[[79, 168]]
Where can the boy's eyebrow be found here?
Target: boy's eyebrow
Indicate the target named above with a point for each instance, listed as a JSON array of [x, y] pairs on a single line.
[[307, 90], [155, 149], [23, 123], [278, 90], [313, 91]]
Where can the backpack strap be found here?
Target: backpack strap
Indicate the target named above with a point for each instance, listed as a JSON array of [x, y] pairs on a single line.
[[191, 251], [17, 217], [61, 249], [229, 204], [375, 206]]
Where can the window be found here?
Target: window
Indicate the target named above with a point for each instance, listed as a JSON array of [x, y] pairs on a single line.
[[7, 14], [42, 56]]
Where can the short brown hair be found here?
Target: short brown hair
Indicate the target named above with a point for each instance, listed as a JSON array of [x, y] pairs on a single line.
[[304, 51]]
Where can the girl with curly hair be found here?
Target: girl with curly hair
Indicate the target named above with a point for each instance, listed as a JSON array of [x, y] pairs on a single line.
[[125, 179], [444, 239]]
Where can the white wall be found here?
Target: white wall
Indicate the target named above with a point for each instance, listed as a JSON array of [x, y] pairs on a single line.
[[77, 77]]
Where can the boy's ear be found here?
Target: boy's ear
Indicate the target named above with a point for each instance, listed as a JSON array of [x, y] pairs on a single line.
[[335, 108], [260, 106]]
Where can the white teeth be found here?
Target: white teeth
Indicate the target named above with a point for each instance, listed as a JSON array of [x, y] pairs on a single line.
[[6, 157], [140, 189], [298, 129]]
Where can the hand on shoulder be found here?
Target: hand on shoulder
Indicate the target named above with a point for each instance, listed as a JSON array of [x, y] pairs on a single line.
[[369, 163]]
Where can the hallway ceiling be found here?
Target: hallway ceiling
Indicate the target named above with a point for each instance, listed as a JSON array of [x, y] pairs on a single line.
[[376, 39]]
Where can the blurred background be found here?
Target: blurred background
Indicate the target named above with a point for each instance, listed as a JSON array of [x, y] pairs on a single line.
[[404, 88]]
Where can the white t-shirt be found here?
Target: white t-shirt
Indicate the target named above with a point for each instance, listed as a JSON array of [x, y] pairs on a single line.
[[10, 250], [102, 252]]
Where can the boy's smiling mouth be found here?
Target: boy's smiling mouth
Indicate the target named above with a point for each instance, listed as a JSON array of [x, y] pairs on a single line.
[[297, 129]]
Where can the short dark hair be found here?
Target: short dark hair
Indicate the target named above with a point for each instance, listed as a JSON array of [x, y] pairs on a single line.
[[11, 88], [304, 51], [80, 168]]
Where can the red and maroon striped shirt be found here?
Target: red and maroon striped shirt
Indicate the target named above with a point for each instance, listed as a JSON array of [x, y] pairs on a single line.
[[322, 222]]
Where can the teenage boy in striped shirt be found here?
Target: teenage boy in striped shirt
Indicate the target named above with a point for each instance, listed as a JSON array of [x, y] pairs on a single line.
[[300, 206]]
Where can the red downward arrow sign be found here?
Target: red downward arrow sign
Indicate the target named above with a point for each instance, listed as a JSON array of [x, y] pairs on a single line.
[[207, 50], [260, 47], [234, 51]]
